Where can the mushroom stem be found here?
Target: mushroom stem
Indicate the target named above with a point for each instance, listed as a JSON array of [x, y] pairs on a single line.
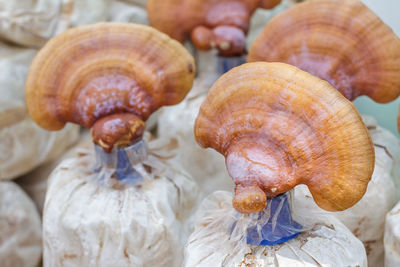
[[229, 40], [253, 161], [249, 199], [117, 130], [268, 4]]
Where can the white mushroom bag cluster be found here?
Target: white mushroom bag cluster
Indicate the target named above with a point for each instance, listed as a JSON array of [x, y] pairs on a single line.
[[392, 237], [129, 11], [23, 144], [35, 182], [91, 220], [32, 23], [213, 243], [20, 231]]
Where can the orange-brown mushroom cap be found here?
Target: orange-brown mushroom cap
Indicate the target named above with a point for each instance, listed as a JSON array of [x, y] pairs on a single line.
[[87, 75], [222, 24], [342, 42], [278, 127]]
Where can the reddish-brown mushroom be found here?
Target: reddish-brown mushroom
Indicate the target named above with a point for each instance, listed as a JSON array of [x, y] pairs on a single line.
[[278, 127], [108, 77], [342, 42], [210, 23]]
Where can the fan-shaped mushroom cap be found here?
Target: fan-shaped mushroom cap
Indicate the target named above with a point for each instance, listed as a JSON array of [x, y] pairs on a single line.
[[109, 77], [342, 42], [210, 23], [278, 127]]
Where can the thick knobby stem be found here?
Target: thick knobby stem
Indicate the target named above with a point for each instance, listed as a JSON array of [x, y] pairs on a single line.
[[229, 40], [120, 130], [249, 199]]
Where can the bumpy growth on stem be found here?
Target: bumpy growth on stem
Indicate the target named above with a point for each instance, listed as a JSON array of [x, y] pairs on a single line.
[[108, 77], [342, 42], [210, 23], [278, 127]]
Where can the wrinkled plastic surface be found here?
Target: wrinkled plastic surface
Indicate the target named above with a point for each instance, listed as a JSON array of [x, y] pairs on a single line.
[[327, 242], [20, 228], [392, 237], [274, 225], [141, 3], [97, 220], [118, 164], [124, 11], [34, 183], [32, 22], [23, 144]]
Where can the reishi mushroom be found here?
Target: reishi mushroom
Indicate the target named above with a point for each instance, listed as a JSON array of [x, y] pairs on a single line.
[[210, 23], [342, 42], [108, 77], [278, 127]]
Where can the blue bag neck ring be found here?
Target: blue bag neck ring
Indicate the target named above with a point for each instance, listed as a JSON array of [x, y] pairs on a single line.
[[225, 64], [121, 161], [274, 225]]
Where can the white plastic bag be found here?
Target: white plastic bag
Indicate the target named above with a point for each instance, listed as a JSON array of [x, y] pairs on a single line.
[[33, 22], [327, 243], [20, 229], [122, 11], [35, 182], [392, 237], [23, 144], [141, 3], [91, 219]]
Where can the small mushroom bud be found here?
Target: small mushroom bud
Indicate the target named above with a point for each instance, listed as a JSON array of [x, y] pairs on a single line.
[[342, 42], [228, 40], [278, 127], [219, 24], [109, 77], [119, 129], [203, 38], [249, 199]]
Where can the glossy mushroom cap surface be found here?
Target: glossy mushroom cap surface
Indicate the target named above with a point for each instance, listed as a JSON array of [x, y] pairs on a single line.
[[342, 42], [278, 127], [220, 24], [109, 77]]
